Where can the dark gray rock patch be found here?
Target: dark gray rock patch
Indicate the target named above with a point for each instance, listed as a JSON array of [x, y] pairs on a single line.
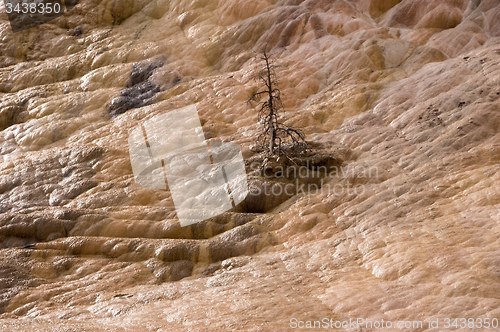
[[140, 89]]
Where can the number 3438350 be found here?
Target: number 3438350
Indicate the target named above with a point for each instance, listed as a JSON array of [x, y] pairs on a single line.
[[33, 8], [470, 323]]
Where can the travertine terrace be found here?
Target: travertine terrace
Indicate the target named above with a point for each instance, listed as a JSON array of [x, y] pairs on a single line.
[[408, 88]]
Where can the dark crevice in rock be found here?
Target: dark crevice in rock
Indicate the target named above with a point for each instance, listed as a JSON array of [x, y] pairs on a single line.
[[273, 181], [23, 230]]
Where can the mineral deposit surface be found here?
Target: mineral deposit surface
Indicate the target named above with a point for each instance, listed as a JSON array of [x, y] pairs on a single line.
[[403, 95]]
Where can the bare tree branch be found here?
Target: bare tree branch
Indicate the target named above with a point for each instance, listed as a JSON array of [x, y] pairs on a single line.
[[274, 133]]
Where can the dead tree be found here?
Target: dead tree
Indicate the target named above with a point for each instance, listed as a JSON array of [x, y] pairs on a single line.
[[274, 133]]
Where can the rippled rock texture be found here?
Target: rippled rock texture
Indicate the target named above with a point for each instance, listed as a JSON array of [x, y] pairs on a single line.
[[395, 216]]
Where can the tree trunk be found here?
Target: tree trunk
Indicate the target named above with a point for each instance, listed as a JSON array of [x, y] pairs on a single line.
[[271, 106]]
